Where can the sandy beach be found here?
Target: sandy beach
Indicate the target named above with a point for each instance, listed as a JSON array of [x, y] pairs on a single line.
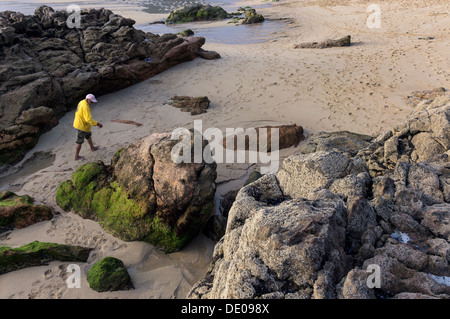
[[360, 88]]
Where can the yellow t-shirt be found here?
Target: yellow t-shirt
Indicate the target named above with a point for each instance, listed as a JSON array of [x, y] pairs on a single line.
[[83, 117]]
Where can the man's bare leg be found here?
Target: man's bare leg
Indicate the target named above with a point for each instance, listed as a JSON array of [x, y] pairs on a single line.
[[77, 152], [91, 144]]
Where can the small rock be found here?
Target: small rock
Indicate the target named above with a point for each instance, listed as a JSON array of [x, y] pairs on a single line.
[[109, 274]]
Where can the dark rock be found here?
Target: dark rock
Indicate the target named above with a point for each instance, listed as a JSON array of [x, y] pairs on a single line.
[[19, 211], [288, 136], [48, 66], [343, 42], [252, 17], [194, 105], [186, 33], [227, 201], [208, 55], [39, 254], [253, 177], [215, 227]]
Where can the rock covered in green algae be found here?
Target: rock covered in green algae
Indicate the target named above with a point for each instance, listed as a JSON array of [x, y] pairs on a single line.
[[186, 33], [109, 274], [19, 211], [196, 12], [252, 17], [144, 195], [38, 254]]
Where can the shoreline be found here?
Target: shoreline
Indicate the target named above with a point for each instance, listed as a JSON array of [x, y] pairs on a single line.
[[360, 88]]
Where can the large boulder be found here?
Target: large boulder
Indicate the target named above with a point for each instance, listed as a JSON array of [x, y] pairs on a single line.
[[144, 195], [261, 139], [277, 247], [48, 66], [196, 12]]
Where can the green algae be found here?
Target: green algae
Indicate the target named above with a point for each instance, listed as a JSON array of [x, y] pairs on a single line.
[[109, 274], [8, 199], [19, 211], [114, 209], [196, 13], [38, 254], [127, 213]]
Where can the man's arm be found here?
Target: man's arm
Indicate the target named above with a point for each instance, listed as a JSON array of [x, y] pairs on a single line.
[[88, 117]]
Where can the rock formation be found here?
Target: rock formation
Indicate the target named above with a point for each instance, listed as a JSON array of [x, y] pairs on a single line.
[[39, 254], [288, 136], [335, 214], [144, 195], [20, 211], [342, 42], [109, 274], [196, 12], [252, 17], [46, 67], [194, 105]]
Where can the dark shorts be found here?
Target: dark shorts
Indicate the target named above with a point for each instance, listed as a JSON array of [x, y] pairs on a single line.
[[83, 135]]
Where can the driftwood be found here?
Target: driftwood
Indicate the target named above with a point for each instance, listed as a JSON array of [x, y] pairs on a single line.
[[127, 122], [343, 42]]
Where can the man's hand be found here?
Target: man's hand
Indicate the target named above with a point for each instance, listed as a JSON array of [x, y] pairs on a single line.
[[100, 125]]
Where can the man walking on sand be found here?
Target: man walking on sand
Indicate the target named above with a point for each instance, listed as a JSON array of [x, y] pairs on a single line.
[[83, 122]]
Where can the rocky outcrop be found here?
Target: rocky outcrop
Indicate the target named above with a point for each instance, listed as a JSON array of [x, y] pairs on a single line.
[[330, 225], [425, 136], [39, 254], [20, 211], [342, 42], [144, 195], [196, 12], [275, 247], [46, 67]]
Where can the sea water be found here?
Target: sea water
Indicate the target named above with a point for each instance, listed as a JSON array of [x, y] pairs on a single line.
[[229, 33], [149, 6]]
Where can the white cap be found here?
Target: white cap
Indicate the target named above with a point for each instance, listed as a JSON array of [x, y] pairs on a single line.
[[91, 97]]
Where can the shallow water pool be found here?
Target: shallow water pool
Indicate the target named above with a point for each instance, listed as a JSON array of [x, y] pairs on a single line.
[[225, 34]]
